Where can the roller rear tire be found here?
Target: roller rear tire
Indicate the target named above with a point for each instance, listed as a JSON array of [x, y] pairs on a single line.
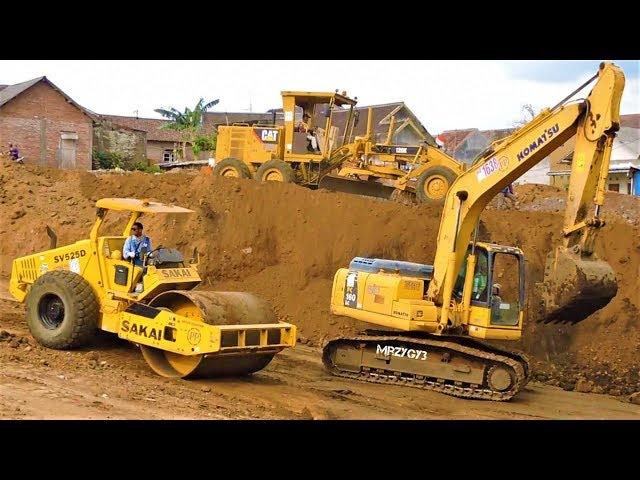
[[62, 310]]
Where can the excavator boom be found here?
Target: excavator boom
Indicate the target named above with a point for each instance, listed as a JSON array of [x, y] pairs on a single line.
[[576, 283]]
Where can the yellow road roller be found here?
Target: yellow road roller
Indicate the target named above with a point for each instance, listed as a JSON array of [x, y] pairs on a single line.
[[73, 290]]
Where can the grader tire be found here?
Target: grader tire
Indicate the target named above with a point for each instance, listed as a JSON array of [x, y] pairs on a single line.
[[432, 184], [275, 170], [62, 310], [232, 167]]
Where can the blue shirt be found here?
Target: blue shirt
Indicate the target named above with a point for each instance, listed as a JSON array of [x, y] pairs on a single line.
[[132, 247], [507, 189]]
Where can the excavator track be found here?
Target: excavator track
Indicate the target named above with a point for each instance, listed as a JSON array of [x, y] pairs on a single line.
[[460, 367]]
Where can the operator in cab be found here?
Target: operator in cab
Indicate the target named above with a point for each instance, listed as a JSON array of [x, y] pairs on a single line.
[[136, 245], [303, 126], [480, 279]]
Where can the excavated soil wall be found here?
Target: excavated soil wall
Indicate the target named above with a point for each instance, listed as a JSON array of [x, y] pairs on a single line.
[[284, 243]]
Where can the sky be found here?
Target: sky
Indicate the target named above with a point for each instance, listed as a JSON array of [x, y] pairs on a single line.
[[445, 95]]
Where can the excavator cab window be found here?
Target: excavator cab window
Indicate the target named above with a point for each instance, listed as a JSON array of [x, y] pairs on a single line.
[[507, 288], [480, 278], [498, 283]]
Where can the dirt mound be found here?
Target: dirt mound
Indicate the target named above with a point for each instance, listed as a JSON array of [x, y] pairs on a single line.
[[284, 243], [545, 198]]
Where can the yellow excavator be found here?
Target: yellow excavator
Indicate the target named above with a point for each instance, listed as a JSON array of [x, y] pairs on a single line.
[[73, 290], [475, 291]]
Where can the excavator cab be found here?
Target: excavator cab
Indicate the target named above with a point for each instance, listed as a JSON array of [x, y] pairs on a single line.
[[497, 287]]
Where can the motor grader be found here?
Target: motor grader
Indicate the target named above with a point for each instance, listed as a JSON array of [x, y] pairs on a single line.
[[73, 290], [440, 314], [417, 172], [340, 162]]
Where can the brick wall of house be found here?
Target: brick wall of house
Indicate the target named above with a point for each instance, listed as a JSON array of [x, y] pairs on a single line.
[[155, 150], [130, 144], [35, 120]]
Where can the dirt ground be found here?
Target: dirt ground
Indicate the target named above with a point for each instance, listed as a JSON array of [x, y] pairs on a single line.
[[283, 243], [112, 381]]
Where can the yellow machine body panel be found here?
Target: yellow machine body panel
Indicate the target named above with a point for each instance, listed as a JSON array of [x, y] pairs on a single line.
[[398, 301], [253, 145], [152, 305], [400, 165], [78, 257], [179, 334]]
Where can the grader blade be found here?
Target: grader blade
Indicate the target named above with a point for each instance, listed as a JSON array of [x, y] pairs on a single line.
[[355, 187]]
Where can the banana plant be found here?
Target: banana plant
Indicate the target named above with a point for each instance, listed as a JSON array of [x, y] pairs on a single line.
[[188, 123]]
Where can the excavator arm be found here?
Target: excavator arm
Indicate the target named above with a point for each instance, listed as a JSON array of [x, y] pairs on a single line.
[[576, 283]]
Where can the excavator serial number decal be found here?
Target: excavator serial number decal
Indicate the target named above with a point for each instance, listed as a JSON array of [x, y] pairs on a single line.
[[411, 353], [69, 256], [489, 168]]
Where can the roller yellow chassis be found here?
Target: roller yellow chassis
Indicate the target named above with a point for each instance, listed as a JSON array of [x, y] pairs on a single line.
[[182, 333], [185, 336]]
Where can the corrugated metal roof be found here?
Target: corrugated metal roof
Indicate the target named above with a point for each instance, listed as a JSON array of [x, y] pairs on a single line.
[[631, 120]]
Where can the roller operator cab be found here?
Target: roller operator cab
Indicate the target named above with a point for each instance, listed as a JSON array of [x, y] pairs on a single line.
[[394, 293], [73, 290]]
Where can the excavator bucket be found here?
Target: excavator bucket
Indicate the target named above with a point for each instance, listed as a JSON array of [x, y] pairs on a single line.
[[355, 187], [574, 287]]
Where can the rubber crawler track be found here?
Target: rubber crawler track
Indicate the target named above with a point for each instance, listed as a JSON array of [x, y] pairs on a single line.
[[488, 353]]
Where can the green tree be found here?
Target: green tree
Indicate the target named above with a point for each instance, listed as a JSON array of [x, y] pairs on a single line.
[[204, 143], [188, 123]]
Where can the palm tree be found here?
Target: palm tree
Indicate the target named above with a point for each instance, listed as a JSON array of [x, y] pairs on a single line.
[[188, 123]]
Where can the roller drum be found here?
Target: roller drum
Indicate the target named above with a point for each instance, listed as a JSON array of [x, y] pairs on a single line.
[[212, 308]]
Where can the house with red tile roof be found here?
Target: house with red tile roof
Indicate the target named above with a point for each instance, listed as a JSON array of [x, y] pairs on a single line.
[[624, 166], [47, 126], [466, 144]]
